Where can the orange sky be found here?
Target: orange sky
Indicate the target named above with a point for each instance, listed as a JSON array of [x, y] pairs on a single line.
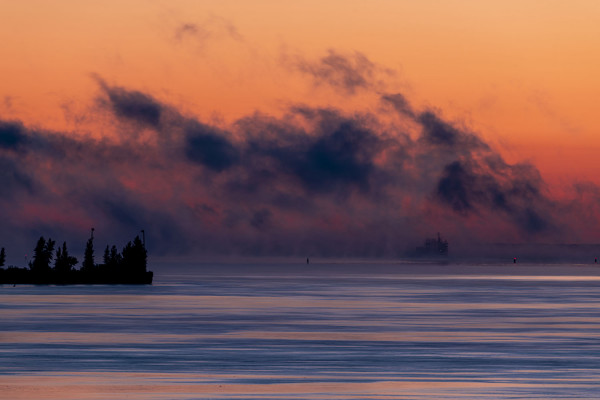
[[524, 74]]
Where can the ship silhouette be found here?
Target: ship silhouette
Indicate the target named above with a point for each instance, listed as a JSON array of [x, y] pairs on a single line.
[[433, 247]]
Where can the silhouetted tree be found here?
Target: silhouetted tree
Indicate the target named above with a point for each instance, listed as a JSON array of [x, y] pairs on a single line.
[[42, 255], [38, 252], [115, 257], [64, 262], [88, 257], [112, 258], [35, 251], [135, 256], [128, 267], [106, 257], [57, 258]]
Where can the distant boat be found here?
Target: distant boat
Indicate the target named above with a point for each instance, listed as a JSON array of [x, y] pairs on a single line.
[[433, 247]]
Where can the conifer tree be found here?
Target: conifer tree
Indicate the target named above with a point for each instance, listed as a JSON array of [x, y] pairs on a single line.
[[38, 252], [88, 257], [2, 257], [48, 252], [135, 256], [115, 258], [141, 254], [64, 262], [106, 257], [42, 255], [128, 256], [58, 259]]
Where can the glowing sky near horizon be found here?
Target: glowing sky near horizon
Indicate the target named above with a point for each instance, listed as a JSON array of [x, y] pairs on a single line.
[[521, 75]]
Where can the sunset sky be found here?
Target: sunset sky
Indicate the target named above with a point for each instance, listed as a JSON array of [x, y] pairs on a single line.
[[346, 128]]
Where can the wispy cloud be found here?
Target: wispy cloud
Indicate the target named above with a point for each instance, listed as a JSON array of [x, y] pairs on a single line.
[[348, 73], [212, 28]]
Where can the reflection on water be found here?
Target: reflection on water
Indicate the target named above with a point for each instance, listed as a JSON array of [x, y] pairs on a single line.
[[369, 335]]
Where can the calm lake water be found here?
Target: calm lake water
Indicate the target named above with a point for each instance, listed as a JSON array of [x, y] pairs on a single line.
[[346, 330]]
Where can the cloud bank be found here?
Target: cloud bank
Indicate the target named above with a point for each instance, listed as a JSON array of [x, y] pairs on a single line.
[[315, 181]]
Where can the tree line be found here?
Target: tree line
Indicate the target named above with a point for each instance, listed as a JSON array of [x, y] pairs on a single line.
[[54, 264]]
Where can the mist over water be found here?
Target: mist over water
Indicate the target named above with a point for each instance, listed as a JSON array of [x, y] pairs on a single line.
[[336, 330]]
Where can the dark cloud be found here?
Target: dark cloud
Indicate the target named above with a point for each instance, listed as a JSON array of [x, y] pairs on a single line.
[[458, 168], [399, 103], [126, 214], [200, 143], [531, 220], [440, 133], [11, 135], [315, 180], [454, 187], [336, 156], [342, 156], [135, 106], [130, 216], [469, 187], [132, 105], [346, 72], [13, 178], [59, 175], [209, 147], [260, 219]]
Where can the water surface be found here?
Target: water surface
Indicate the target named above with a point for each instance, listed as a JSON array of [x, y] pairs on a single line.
[[345, 330]]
